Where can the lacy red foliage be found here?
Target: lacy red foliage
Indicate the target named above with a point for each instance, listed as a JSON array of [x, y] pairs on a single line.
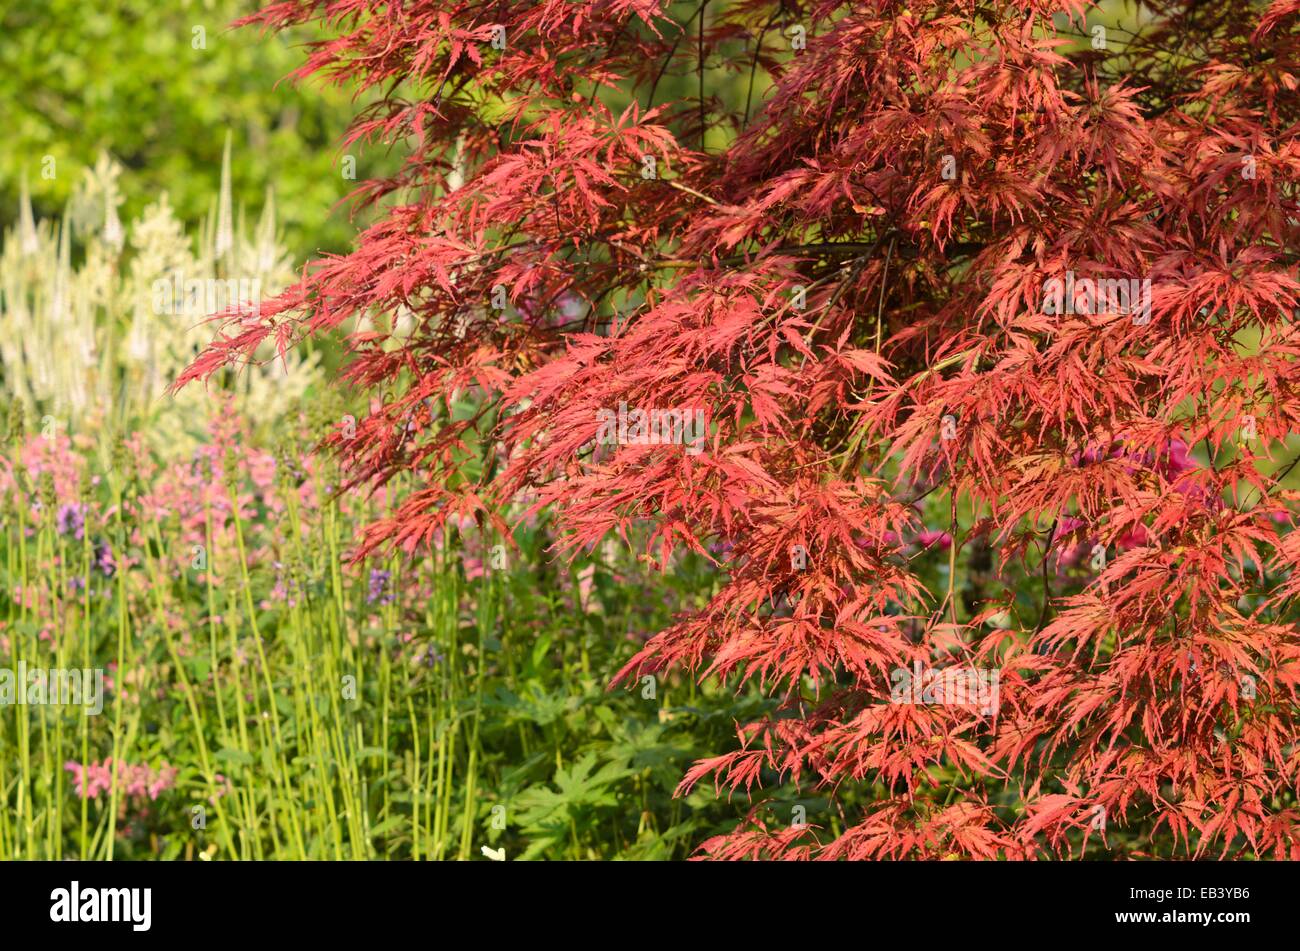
[[851, 273]]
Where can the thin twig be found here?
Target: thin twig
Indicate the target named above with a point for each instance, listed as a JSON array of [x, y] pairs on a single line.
[[690, 191]]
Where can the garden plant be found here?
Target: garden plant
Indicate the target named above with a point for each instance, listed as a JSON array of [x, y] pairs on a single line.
[[740, 429]]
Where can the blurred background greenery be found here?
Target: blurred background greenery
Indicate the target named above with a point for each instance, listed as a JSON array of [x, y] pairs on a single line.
[[157, 85]]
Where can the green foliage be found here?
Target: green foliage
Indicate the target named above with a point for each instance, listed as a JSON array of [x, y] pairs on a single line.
[[77, 79], [473, 711]]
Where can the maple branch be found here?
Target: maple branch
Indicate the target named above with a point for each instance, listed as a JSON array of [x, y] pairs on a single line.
[[839, 291], [815, 249], [1274, 481], [669, 58], [690, 191], [753, 66], [700, 71], [609, 52], [884, 282], [1047, 586]]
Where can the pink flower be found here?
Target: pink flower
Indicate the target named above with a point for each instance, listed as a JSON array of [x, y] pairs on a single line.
[[1135, 537], [1067, 525], [1174, 458], [133, 782], [936, 539]]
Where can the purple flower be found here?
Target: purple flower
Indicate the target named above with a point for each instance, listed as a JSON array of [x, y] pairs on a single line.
[[285, 585], [379, 579], [71, 520], [722, 548], [104, 559]]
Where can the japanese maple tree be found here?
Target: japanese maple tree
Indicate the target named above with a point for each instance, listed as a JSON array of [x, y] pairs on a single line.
[[991, 315]]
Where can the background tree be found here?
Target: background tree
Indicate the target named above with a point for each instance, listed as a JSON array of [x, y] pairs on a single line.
[[158, 85]]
